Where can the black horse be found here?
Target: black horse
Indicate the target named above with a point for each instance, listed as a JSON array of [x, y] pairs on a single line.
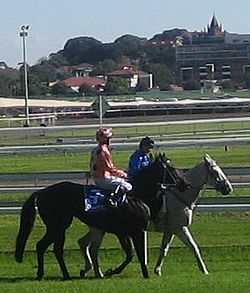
[[58, 204], [146, 187]]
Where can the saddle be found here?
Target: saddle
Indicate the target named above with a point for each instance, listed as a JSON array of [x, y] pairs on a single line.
[[97, 199]]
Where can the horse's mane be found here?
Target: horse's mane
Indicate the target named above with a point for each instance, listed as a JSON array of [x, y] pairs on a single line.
[[177, 175], [173, 175]]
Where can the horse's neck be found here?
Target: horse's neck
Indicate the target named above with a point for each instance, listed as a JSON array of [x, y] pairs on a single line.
[[197, 176]]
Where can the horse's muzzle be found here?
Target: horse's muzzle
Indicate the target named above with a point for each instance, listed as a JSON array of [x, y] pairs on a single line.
[[225, 187]]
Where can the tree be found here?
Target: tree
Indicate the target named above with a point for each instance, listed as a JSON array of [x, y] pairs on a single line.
[[192, 85], [9, 82], [104, 67], [60, 89], [117, 86], [163, 76], [44, 72], [85, 50], [161, 54], [87, 90], [130, 46]]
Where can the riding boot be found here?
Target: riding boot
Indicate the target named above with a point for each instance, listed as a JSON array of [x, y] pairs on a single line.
[[111, 201], [114, 196]]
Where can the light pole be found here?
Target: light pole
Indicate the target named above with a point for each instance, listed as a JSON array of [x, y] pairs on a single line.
[[24, 34]]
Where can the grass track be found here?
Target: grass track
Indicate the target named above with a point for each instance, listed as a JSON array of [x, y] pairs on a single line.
[[229, 272], [225, 245], [224, 239], [182, 158]]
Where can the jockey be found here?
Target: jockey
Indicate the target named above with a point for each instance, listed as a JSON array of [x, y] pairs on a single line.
[[102, 169], [141, 157]]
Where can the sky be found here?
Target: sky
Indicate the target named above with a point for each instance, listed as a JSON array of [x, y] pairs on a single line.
[[53, 22]]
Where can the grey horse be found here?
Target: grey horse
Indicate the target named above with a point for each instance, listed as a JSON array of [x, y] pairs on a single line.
[[177, 210]]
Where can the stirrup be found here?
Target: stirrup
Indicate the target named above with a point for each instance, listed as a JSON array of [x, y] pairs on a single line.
[[112, 203]]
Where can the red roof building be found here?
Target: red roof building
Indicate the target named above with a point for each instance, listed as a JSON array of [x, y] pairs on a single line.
[[75, 82], [132, 76]]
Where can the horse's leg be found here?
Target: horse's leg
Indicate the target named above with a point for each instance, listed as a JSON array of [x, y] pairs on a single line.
[[127, 247], [58, 251], [96, 236], [84, 244], [185, 235], [41, 247], [138, 240], [167, 239]]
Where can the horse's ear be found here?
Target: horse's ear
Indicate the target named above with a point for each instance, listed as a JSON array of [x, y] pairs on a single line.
[[163, 155], [209, 160]]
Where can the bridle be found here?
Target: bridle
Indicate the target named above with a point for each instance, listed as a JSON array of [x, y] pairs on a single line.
[[219, 183]]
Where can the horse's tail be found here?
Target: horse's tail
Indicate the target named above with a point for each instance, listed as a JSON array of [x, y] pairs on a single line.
[[27, 220]]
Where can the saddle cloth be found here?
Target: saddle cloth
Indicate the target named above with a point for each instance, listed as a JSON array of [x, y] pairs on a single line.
[[96, 198]]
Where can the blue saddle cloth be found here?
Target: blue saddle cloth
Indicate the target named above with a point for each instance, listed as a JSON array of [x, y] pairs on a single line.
[[96, 198]]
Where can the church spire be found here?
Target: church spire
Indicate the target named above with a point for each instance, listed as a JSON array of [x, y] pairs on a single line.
[[215, 27]]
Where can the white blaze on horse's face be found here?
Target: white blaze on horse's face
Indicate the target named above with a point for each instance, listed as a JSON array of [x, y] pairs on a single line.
[[217, 177]]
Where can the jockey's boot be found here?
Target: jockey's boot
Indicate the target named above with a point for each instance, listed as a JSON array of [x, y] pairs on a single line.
[[111, 202], [119, 193], [114, 196]]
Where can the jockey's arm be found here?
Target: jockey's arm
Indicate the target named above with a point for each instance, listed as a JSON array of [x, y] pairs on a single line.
[[106, 161], [134, 164]]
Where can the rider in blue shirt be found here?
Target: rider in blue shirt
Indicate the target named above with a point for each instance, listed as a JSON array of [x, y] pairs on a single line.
[[141, 157]]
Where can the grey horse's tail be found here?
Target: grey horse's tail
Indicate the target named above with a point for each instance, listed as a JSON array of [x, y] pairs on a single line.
[[26, 224]]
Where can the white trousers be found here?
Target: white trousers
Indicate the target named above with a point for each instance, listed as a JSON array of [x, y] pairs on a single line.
[[112, 182]]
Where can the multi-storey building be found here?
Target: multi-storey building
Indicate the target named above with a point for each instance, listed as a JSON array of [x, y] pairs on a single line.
[[214, 55]]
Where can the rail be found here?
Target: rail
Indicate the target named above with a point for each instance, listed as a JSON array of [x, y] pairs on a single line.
[[35, 179], [200, 207]]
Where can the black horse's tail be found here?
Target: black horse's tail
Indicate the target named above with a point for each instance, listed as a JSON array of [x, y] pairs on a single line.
[[26, 224]]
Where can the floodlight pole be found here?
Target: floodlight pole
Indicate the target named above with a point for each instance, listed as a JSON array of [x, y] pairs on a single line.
[[100, 109], [24, 34]]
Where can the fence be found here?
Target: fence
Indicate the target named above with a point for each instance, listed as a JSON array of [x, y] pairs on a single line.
[[31, 182]]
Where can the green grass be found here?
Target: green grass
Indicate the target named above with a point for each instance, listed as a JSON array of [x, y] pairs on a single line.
[[43, 136], [224, 240], [71, 161], [229, 272], [223, 237]]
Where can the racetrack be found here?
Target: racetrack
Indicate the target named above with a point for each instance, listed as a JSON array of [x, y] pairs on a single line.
[[224, 240]]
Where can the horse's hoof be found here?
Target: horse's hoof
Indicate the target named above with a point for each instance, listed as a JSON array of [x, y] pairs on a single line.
[[66, 277], [99, 276], [39, 278], [146, 276], [157, 272], [108, 273]]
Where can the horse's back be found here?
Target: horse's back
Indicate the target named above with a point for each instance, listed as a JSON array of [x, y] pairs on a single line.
[[131, 216], [60, 202]]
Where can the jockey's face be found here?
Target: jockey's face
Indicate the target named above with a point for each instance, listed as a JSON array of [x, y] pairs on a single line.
[[146, 149], [104, 140]]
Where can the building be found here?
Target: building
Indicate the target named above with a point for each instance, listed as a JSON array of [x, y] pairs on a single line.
[[133, 77], [74, 83], [213, 56]]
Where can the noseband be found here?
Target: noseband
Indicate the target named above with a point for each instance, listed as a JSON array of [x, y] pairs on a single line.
[[219, 184]]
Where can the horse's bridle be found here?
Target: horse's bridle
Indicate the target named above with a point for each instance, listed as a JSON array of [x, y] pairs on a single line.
[[218, 183]]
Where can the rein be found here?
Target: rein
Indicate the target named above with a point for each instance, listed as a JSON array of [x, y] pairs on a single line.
[[179, 198]]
